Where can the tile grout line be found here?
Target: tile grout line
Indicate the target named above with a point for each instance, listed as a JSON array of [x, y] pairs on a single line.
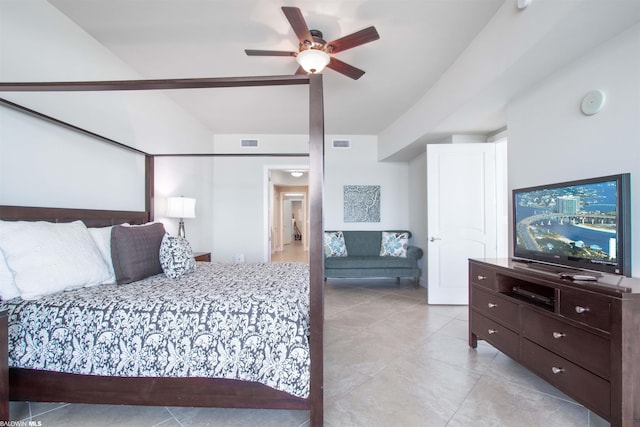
[[31, 416], [464, 400], [173, 416]]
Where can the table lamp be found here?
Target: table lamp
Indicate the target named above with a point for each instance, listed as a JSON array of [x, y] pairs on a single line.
[[181, 207]]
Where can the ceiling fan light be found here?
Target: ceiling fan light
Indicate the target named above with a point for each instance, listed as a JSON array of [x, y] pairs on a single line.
[[313, 60]]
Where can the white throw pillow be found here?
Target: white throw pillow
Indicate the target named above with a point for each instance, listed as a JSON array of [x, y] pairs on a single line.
[[102, 238], [50, 257], [8, 288]]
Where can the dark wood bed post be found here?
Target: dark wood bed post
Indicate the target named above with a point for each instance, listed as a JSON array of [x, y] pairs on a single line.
[[149, 189], [316, 261]]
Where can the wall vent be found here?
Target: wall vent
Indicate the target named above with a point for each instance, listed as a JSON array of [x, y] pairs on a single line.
[[341, 143], [248, 142]]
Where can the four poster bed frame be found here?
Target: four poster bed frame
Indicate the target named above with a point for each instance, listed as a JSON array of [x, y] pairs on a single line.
[[47, 386]]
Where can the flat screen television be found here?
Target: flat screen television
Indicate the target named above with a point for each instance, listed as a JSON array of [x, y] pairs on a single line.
[[583, 225]]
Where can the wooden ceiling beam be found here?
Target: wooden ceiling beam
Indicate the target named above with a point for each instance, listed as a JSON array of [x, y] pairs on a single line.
[[160, 84]]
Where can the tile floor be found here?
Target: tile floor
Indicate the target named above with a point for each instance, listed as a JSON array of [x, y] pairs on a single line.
[[293, 252], [390, 360]]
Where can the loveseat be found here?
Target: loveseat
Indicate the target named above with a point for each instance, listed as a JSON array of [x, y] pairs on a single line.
[[358, 254]]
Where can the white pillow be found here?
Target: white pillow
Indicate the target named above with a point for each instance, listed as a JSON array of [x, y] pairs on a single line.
[[8, 288], [102, 238], [49, 257]]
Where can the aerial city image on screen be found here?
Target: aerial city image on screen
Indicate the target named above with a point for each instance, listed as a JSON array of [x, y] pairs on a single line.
[[577, 221]]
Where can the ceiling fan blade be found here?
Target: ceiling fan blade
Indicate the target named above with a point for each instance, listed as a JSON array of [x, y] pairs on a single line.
[[253, 52], [300, 71], [352, 40], [295, 18], [344, 68]]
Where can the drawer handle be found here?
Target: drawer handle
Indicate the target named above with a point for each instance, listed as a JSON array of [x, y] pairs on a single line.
[[558, 335], [481, 277], [581, 310], [492, 305], [492, 331], [557, 370]]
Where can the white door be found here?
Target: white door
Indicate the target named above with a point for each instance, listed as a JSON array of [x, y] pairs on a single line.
[[461, 209]]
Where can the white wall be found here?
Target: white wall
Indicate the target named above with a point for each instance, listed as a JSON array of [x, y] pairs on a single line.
[[503, 195], [418, 209], [45, 165], [188, 177], [240, 192], [550, 140], [230, 143], [240, 201], [359, 166], [41, 44], [42, 164]]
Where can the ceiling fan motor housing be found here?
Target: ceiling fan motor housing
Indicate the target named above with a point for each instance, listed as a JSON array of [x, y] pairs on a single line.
[[317, 43]]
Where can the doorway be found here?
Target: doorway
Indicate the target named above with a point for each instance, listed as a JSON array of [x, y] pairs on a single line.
[[288, 215]]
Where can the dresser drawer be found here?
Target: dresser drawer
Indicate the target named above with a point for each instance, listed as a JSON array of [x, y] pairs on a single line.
[[482, 276], [495, 307], [586, 349], [584, 307], [584, 386], [499, 336]]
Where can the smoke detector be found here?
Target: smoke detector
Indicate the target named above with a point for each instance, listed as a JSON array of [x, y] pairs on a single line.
[[522, 4]]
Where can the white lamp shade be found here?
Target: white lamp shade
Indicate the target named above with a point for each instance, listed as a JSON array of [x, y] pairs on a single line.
[[181, 207], [313, 60]]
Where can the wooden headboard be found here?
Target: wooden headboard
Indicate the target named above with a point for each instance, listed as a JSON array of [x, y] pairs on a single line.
[[91, 217]]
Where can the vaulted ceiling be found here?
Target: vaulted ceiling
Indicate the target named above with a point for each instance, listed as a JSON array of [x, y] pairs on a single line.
[[453, 64], [206, 38]]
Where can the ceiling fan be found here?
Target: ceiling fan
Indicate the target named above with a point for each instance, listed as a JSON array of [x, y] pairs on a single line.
[[314, 53]]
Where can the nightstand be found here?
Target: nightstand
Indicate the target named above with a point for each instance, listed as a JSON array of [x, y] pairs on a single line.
[[202, 256]]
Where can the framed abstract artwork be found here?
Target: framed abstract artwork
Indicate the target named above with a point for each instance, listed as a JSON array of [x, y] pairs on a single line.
[[361, 203]]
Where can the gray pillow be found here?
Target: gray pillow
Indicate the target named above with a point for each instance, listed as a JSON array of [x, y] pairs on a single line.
[[135, 251]]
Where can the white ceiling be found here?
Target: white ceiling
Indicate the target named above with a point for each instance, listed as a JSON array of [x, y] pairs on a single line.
[[421, 46], [419, 39]]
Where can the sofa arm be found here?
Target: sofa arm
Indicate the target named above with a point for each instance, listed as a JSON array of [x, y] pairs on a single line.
[[414, 252]]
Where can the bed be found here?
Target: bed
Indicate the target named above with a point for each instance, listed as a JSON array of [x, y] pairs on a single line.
[[47, 385]]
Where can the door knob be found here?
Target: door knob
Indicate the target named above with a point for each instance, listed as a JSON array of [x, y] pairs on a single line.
[[433, 239]]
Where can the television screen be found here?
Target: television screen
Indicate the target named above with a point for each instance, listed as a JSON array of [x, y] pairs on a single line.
[[580, 224]]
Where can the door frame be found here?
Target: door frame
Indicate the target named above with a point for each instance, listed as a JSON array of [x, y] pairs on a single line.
[[269, 199]]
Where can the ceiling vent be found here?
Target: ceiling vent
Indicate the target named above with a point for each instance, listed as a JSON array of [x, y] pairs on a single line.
[[248, 143], [341, 143]]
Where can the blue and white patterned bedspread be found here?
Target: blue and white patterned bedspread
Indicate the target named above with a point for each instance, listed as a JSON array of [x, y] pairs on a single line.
[[245, 321]]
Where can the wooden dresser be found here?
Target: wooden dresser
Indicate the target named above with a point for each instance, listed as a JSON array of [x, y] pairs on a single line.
[[581, 336]]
